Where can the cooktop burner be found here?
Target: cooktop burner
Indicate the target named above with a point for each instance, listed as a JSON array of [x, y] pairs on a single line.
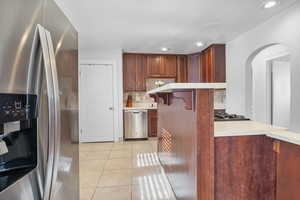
[[223, 116]]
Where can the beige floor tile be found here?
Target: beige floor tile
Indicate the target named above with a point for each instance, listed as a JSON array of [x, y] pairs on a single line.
[[108, 172], [145, 160], [95, 146], [122, 171], [89, 180], [115, 164], [122, 146], [115, 178], [142, 146], [151, 192], [113, 193], [92, 165], [144, 175], [155, 148], [138, 153], [94, 155], [121, 154], [87, 193]]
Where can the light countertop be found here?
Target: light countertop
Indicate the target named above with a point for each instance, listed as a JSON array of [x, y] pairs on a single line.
[[244, 128], [187, 86]]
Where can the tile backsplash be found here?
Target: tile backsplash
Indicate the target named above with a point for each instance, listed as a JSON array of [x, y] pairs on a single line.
[[142, 99], [220, 99]]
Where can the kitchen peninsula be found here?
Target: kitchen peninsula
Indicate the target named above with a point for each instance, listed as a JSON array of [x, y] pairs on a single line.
[[208, 160]]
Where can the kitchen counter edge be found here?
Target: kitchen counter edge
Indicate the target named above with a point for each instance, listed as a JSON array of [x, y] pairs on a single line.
[[251, 128]]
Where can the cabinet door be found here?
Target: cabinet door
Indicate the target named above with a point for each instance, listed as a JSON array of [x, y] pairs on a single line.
[[194, 68], [129, 72], [182, 69], [207, 71], [219, 62], [288, 172], [141, 64], [245, 168], [152, 123], [203, 66], [210, 72], [169, 67], [154, 66]]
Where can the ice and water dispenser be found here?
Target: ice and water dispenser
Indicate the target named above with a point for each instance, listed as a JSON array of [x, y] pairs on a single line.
[[18, 137]]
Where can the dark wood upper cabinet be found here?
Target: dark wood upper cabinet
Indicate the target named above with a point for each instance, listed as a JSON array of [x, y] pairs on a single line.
[[154, 65], [161, 66], [213, 64], [288, 171], [129, 72], [141, 68], [134, 72], [208, 65], [219, 62], [194, 68], [182, 70], [169, 66]]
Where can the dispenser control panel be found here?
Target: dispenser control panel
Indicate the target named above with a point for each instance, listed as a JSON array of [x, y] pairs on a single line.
[[17, 107]]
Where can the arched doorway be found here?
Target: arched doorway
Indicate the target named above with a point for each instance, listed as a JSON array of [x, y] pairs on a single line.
[[268, 85]]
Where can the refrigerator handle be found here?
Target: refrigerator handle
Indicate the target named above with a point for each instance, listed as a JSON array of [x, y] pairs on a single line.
[[47, 185], [57, 121]]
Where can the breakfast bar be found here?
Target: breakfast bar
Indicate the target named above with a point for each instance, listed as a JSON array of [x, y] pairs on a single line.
[[208, 160]]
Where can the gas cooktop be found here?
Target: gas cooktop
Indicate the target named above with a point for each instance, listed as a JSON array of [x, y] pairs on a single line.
[[223, 116]]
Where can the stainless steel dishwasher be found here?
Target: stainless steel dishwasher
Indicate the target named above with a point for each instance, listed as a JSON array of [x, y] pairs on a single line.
[[136, 124]]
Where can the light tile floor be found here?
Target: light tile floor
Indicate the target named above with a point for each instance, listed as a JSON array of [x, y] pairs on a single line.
[[122, 171]]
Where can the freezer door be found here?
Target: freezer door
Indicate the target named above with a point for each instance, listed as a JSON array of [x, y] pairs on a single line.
[[38, 183], [18, 20]]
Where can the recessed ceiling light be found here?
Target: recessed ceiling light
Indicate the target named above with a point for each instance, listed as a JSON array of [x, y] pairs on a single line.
[[270, 4], [165, 49], [199, 44]]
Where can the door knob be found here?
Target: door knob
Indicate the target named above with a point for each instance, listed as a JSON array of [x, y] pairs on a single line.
[[111, 108]]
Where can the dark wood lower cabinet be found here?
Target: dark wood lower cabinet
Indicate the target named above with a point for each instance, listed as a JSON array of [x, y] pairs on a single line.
[[245, 168], [200, 166], [152, 123], [288, 172]]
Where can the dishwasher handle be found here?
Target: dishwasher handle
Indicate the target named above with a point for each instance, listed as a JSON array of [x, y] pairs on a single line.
[[136, 111]]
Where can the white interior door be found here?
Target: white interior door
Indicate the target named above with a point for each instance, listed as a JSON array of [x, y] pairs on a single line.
[[96, 103]]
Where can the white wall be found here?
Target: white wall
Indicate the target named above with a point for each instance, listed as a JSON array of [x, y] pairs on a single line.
[[110, 56], [284, 29], [260, 97]]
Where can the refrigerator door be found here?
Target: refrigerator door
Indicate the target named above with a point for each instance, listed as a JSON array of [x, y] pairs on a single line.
[[64, 40]]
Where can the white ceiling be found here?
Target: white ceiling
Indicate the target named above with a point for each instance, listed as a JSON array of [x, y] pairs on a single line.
[[148, 25]]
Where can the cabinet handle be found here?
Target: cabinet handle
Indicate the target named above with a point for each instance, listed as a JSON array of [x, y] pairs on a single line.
[[276, 146]]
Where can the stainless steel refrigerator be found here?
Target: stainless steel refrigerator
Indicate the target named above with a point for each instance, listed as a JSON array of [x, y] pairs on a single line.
[[38, 102]]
